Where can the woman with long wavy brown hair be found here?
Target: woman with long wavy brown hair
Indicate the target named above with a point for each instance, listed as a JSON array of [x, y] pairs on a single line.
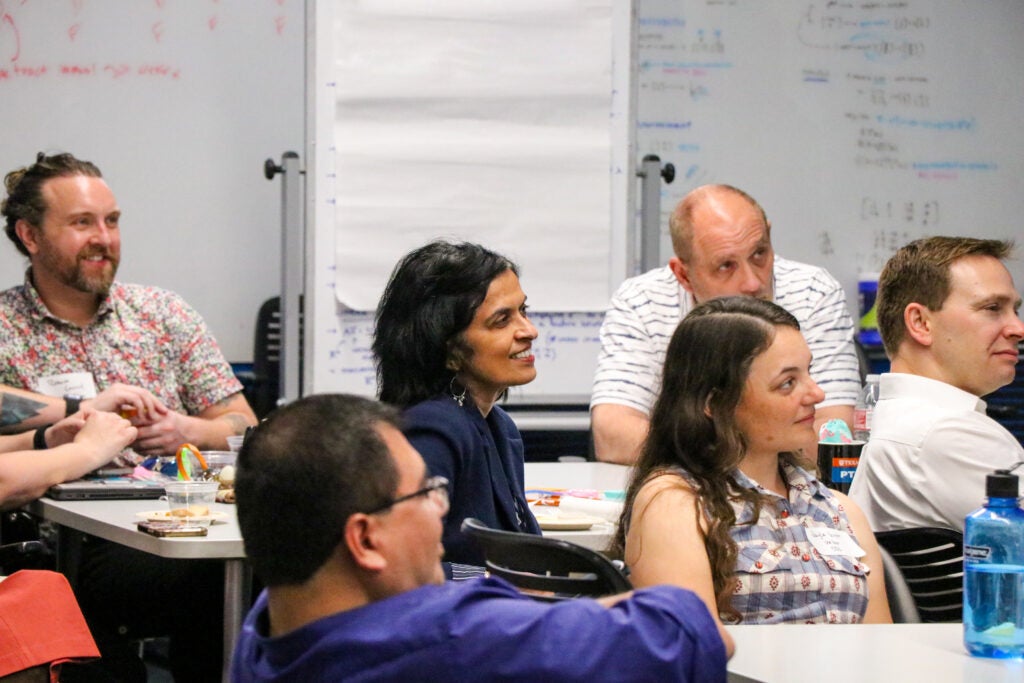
[[718, 503]]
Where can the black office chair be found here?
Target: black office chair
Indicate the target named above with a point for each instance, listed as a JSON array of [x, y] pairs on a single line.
[[266, 360], [558, 568], [14, 556], [863, 361], [902, 605], [20, 544], [931, 561]]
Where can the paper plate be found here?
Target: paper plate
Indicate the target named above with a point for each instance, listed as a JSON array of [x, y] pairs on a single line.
[[165, 515], [567, 522]]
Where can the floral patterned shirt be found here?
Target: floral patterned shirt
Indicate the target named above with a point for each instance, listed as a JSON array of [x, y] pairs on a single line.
[[143, 336]]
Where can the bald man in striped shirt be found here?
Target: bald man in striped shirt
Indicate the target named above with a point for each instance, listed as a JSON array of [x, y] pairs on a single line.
[[722, 241]]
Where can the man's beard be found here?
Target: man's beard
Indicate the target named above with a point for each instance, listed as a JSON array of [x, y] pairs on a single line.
[[73, 275]]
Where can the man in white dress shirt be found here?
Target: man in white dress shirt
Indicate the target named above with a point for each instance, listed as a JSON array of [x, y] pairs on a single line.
[[948, 313], [722, 244]]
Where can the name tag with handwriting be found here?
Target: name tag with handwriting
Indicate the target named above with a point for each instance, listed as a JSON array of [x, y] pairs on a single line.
[[834, 542], [68, 384]]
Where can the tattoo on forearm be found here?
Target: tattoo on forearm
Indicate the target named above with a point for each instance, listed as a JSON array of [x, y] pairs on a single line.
[[15, 409], [238, 423]]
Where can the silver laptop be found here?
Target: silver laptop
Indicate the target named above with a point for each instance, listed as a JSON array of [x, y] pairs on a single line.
[[106, 488]]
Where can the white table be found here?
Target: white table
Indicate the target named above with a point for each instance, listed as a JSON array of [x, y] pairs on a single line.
[[602, 476], [862, 653], [599, 476], [115, 520]]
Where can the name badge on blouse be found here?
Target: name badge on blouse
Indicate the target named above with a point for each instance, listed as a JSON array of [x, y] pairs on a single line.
[[68, 384], [833, 542]]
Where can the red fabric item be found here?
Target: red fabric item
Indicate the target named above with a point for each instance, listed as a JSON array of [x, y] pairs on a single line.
[[40, 622]]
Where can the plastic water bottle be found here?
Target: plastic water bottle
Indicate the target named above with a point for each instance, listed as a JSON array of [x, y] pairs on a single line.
[[994, 572], [865, 408]]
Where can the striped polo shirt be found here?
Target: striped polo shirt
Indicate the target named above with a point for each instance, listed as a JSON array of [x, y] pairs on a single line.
[[646, 309]]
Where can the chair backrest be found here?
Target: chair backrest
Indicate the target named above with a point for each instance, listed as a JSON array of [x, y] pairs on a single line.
[[863, 360], [932, 563], [535, 563], [901, 599], [266, 359], [20, 547]]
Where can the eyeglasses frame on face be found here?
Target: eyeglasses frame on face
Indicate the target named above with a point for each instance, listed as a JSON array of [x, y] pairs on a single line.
[[438, 486]]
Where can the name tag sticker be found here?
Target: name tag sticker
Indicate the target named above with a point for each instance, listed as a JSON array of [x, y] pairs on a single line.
[[70, 383], [833, 542]]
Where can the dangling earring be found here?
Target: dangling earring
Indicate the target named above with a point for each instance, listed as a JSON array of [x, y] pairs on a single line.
[[459, 398]]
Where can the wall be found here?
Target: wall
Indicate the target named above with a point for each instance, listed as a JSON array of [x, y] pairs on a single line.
[[178, 103]]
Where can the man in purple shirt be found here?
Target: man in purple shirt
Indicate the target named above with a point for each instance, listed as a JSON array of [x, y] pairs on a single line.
[[344, 528]]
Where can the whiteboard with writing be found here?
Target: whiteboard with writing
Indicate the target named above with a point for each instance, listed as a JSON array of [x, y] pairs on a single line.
[[857, 125], [178, 103]]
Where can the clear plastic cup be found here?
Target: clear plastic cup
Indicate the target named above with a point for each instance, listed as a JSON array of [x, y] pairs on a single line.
[[191, 501], [220, 467]]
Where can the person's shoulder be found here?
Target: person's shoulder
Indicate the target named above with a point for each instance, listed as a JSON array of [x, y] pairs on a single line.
[[970, 425], [136, 289], [800, 274], [920, 390], [502, 417], [464, 593], [658, 283], [666, 485], [812, 294], [431, 407], [15, 291], [653, 295], [13, 299], [145, 295], [438, 414], [454, 597], [485, 588]]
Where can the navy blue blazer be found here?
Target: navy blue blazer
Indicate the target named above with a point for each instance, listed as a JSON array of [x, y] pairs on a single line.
[[482, 459]]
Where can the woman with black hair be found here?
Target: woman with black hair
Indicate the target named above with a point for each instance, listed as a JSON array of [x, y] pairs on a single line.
[[452, 335]]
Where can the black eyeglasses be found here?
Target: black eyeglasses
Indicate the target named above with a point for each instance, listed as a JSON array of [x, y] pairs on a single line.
[[436, 489]]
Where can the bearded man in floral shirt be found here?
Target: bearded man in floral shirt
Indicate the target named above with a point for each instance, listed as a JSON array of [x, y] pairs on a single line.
[[72, 334]]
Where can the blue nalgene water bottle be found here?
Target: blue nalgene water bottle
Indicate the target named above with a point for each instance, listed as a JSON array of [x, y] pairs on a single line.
[[994, 572]]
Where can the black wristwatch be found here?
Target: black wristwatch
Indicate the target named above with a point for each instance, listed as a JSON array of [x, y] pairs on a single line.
[[71, 403], [39, 439]]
